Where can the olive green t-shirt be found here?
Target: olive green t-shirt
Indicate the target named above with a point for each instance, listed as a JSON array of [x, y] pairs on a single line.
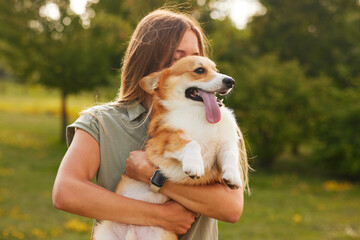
[[118, 133]]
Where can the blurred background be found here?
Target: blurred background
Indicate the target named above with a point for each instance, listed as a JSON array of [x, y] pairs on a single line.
[[296, 99]]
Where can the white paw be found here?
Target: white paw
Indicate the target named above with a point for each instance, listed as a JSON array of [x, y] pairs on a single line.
[[231, 177], [193, 167], [192, 161]]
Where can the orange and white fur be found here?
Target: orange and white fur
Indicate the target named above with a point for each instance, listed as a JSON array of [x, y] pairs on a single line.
[[194, 140]]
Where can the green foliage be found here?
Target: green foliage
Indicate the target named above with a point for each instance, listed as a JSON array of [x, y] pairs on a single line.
[[338, 135], [61, 53], [134, 11], [272, 106], [314, 101], [322, 35], [64, 56]]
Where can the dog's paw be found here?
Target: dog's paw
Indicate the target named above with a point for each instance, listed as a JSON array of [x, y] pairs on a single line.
[[195, 170], [232, 178], [192, 161]]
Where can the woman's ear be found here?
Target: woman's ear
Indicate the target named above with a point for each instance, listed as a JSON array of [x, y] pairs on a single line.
[[149, 83]]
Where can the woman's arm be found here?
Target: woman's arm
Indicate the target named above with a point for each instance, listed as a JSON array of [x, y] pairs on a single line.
[[74, 192], [215, 200]]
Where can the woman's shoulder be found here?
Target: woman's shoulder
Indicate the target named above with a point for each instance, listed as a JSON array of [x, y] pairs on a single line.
[[104, 110], [101, 108], [110, 110]]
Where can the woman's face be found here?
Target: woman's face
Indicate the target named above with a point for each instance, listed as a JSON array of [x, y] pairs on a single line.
[[188, 46]]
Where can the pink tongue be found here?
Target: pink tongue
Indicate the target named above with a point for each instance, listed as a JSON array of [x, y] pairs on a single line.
[[212, 108]]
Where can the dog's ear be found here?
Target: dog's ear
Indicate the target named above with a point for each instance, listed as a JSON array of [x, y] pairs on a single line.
[[149, 83]]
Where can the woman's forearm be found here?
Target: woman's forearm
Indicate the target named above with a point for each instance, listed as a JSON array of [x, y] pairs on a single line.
[[89, 200], [216, 200], [75, 193]]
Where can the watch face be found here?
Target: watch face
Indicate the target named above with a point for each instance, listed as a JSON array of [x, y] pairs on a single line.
[[158, 179]]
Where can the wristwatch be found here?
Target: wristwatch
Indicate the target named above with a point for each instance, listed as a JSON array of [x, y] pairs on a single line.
[[157, 181]]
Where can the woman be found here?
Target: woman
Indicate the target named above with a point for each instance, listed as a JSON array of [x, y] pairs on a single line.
[[104, 140]]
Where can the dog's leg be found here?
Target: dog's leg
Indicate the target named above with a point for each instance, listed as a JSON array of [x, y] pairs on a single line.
[[191, 159], [228, 159]]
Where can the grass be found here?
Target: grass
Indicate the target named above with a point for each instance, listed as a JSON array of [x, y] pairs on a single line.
[[29, 157], [283, 206], [35, 99], [286, 206]]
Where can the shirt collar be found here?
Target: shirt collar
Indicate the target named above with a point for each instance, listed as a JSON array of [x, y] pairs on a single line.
[[135, 111]]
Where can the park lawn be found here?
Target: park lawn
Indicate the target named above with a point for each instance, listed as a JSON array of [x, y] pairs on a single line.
[[36, 99], [282, 205], [30, 154], [290, 207]]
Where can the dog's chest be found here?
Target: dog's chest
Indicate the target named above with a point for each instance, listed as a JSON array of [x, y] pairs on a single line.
[[195, 126]]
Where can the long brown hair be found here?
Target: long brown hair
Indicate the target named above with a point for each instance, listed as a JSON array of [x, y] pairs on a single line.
[[151, 48]]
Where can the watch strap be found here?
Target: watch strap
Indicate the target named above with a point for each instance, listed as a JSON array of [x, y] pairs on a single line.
[[154, 188], [157, 181]]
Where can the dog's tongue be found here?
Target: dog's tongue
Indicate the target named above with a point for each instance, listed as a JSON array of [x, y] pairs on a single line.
[[212, 108]]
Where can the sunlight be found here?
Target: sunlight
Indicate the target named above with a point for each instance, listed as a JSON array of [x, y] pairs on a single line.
[[78, 6], [50, 10], [242, 11], [239, 11]]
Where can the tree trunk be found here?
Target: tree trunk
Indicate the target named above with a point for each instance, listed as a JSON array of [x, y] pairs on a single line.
[[64, 117], [295, 149]]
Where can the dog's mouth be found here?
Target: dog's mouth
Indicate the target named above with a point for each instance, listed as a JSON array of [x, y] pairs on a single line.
[[193, 94], [211, 103]]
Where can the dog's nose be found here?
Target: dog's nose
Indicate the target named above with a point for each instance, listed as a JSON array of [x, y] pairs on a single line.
[[228, 82]]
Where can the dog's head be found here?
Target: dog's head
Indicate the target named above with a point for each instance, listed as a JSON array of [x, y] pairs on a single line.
[[191, 80]]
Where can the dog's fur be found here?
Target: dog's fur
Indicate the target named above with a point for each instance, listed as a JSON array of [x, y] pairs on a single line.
[[187, 145]]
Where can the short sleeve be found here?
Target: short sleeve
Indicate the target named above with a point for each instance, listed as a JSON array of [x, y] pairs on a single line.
[[87, 122]]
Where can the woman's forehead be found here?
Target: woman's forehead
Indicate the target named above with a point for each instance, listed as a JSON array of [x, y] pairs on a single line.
[[189, 44]]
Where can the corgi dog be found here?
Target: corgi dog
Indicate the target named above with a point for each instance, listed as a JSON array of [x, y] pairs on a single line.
[[194, 139]]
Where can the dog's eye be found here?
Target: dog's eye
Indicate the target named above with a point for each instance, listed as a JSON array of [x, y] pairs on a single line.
[[199, 70]]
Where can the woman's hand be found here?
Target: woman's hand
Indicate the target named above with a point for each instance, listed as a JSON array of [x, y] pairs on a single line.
[[138, 166], [177, 219]]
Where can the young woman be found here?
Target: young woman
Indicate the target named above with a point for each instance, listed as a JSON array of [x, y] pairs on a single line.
[[105, 142]]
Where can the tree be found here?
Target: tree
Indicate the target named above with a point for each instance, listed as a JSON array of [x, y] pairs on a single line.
[[336, 130], [322, 35], [61, 53], [272, 106]]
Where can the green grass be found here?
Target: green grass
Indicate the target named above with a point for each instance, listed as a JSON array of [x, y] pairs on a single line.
[[286, 206], [35, 99], [283, 206], [29, 157]]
